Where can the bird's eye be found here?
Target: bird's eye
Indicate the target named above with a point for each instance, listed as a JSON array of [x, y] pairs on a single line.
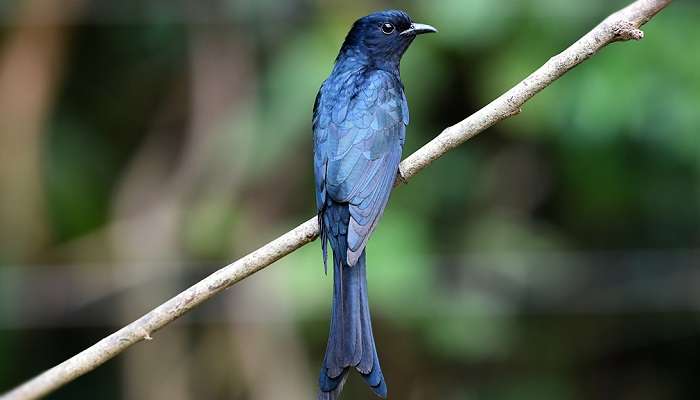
[[387, 28]]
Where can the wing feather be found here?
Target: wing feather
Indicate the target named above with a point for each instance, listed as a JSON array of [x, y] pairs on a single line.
[[358, 150]]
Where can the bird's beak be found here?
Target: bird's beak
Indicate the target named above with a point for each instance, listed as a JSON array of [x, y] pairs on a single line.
[[417, 29]]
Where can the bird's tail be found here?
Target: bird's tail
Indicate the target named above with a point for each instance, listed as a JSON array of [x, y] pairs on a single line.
[[350, 341]]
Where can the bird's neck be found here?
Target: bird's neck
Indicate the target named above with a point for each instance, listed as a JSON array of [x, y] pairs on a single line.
[[353, 59]]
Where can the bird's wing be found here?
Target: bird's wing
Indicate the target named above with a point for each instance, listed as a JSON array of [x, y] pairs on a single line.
[[360, 142], [320, 151]]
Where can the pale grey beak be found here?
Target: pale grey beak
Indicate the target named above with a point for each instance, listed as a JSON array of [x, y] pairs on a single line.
[[417, 29]]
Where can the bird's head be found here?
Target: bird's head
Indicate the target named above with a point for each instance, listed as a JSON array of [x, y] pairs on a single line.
[[382, 37]]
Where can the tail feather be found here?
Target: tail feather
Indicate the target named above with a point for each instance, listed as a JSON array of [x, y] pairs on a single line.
[[330, 388], [350, 341]]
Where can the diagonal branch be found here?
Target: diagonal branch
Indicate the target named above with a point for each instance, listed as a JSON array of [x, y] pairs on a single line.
[[620, 26]]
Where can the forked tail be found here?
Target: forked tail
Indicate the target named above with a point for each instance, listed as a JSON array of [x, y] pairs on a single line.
[[350, 341]]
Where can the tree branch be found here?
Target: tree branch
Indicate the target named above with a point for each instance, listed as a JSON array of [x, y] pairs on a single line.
[[620, 26]]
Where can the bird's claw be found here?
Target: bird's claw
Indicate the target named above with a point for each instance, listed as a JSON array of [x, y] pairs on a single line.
[[400, 178]]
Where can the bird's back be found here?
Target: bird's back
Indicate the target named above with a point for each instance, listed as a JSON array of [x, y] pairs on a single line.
[[359, 126]]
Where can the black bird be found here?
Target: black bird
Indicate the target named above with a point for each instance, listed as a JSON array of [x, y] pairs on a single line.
[[359, 123]]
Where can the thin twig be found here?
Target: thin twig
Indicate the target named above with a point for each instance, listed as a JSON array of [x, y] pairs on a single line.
[[620, 26]]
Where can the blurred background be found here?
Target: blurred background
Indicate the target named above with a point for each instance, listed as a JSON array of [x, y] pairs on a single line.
[[144, 144]]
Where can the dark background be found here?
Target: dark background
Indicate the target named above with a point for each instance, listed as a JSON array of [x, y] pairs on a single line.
[[144, 144]]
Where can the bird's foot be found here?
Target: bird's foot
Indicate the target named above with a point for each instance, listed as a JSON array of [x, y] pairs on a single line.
[[400, 178]]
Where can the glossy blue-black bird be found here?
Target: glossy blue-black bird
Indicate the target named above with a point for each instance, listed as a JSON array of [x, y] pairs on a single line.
[[359, 123]]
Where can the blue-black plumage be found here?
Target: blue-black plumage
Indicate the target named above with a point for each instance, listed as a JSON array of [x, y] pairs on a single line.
[[359, 123]]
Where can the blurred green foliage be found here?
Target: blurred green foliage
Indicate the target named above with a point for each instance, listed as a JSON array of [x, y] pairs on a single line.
[[485, 271]]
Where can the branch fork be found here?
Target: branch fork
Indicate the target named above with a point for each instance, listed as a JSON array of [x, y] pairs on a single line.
[[625, 30]]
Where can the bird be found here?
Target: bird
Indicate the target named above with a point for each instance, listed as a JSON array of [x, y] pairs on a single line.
[[359, 128]]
